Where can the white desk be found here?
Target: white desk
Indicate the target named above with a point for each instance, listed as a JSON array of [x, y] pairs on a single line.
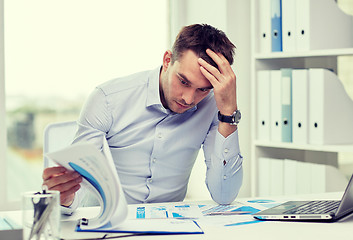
[[264, 230]]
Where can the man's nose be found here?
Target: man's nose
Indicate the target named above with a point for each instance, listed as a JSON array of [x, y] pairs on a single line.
[[189, 97]]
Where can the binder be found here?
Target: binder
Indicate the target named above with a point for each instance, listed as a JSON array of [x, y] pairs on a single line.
[[303, 177], [264, 173], [290, 177], [318, 178], [331, 109], [276, 177], [286, 101], [300, 108], [276, 25], [276, 106], [263, 105], [288, 25], [264, 12], [321, 24]]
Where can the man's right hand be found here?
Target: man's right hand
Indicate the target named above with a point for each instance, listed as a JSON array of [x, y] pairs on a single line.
[[65, 181]]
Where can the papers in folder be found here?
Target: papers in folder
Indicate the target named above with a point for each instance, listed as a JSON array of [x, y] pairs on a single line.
[[100, 177]]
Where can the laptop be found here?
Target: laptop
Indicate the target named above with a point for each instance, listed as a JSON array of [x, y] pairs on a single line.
[[325, 210]]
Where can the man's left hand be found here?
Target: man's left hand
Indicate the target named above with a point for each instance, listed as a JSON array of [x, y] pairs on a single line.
[[223, 81]]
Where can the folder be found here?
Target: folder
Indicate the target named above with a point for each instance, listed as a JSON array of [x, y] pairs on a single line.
[[321, 24], [276, 25], [276, 177], [276, 106], [300, 110], [286, 102], [288, 25], [318, 178], [290, 177], [264, 173], [263, 105], [303, 177], [264, 12], [331, 109]]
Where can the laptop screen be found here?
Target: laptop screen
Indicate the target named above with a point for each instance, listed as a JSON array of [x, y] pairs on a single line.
[[346, 205]]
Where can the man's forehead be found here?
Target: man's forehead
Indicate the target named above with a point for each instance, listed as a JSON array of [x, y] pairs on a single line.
[[197, 82]]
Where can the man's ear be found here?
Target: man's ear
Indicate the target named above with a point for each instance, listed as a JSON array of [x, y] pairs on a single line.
[[167, 59]]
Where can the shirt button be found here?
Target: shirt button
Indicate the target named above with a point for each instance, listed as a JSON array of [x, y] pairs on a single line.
[[226, 150], [224, 177], [150, 180], [160, 135], [154, 160]]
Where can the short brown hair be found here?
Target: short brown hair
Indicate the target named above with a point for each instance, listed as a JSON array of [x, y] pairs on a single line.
[[198, 38]]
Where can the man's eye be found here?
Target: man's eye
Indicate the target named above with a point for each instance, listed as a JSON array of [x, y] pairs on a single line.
[[183, 82], [204, 89]]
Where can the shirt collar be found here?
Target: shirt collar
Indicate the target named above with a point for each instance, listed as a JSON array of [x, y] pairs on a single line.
[[153, 95]]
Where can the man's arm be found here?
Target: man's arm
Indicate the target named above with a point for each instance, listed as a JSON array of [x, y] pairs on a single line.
[[221, 147]]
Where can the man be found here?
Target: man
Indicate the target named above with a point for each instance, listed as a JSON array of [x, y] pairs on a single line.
[[156, 121]]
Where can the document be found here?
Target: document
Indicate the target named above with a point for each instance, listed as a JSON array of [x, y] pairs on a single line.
[[100, 177]]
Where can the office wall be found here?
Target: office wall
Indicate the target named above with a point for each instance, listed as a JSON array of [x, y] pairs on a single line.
[[233, 17], [2, 107]]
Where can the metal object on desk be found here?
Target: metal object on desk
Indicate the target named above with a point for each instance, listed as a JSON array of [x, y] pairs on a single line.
[[41, 215]]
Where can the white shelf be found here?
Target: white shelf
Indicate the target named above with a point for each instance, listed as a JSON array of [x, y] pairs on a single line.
[[313, 53], [321, 148]]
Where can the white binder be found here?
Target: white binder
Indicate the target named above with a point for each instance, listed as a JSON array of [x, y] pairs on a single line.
[[264, 32], [263, 105], [264, 173], [321, 24], [290, 177], [286, 102], [276, 107], [276, 177], [331, 109], [288, 25], [303, 177], [300, 107]]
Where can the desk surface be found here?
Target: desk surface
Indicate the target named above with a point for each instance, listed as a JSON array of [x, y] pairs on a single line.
[[262, 230]]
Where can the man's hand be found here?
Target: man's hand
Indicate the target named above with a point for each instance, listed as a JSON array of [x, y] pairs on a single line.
[[223, 81], [64, 181]]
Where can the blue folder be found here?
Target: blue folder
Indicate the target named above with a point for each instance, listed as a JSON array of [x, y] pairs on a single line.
[[286, 82], [276, 25]]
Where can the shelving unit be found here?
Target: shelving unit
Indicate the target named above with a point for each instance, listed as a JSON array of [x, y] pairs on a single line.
[[325, 154]]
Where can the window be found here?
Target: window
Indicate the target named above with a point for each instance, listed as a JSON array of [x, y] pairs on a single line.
[[56, 52]]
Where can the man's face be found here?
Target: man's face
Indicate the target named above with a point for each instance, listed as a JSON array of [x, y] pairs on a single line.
[[182, 85]]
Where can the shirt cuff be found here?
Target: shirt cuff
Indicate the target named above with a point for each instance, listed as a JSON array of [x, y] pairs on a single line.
[[226, 148], [70, 209]]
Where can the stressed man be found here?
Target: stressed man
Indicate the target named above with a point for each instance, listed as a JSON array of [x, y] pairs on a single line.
[[155, 123]]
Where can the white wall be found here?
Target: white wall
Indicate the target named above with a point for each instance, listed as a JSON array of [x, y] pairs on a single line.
[[233, 17], [2, 109]]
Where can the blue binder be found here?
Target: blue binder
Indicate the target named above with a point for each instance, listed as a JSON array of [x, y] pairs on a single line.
[[276, 25], [286, 99]]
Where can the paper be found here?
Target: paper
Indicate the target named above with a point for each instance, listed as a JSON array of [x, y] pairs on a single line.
[[153, 226], [99, 177], [177, 211]]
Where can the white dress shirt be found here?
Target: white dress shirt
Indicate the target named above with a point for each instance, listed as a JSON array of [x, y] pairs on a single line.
[[153, 148]]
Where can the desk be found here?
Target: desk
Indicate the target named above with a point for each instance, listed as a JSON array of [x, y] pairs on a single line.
[[263, 230]]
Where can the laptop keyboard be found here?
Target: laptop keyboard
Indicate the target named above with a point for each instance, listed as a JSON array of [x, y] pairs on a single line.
[[316, 207]]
